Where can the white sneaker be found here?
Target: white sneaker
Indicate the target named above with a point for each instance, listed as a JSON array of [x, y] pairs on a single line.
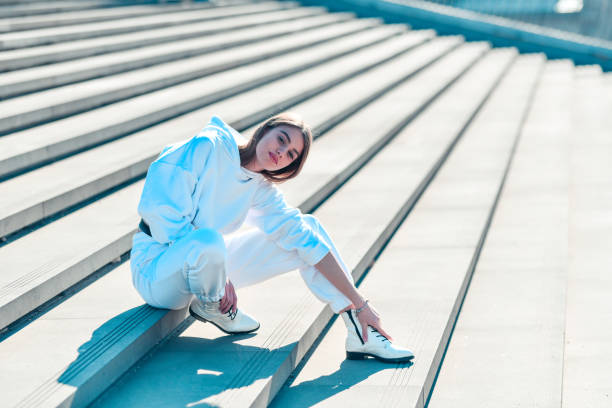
[[377, 346], [230, 322]]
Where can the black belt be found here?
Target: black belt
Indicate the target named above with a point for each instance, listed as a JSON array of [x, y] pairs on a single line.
[[144, 227]]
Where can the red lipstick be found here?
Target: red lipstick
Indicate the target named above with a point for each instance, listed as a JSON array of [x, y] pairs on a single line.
[[274, 159]]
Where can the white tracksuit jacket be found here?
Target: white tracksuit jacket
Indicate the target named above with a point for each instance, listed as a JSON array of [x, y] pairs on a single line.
[[199, 183]]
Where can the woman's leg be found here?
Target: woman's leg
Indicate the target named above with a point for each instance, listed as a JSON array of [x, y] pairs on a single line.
[[193, 265], [253, 258]]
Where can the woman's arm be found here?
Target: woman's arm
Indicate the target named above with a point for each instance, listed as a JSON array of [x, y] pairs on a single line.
[[167, 202], [284, 225], [330, 268]]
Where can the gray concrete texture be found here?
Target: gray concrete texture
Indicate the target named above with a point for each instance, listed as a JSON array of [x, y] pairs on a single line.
[[274, 24], [514, 313], [53, 35], [72, 50], [501, 252], [84, 16], [58, 102], [63, 136]]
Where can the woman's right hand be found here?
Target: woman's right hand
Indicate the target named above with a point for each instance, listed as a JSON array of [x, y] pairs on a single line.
[[370, 317], [229, 301]]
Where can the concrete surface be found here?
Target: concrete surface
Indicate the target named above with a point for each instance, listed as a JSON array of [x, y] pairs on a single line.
[[534, 314], [514, 312], [33, 79], [53, 35], [72, 50], [66, 135]]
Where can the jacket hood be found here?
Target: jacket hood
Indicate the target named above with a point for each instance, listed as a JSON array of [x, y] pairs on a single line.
[[230, 139]]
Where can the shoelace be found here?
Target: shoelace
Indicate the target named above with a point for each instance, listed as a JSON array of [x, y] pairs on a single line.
[[379, 334], [231, 314]]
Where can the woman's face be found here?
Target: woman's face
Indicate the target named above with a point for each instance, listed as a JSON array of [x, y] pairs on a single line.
[[278, 148]]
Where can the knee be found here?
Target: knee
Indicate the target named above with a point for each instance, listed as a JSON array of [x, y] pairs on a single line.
[[208, 244]]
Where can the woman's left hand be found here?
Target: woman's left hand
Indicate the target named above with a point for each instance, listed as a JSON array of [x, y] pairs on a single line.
[[229, 300]]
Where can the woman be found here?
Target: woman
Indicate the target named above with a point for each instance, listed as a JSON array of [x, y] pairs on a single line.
[[199, 191]]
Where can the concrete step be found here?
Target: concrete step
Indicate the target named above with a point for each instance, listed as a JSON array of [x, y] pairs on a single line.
[[123, 331], [248, 371], [427, 264], [29, 284], [586, 355], [29, 110], [89, 16], [45, 36], [17, 2], [21, 209], [512, 321], [68, 51], [50, 76], [32, 8], [31, 147]]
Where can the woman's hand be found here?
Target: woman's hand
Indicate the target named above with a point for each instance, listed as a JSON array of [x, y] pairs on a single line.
[[370, 317], [229, 300]]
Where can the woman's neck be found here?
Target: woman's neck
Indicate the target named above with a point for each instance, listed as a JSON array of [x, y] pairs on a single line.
[[252, 166]]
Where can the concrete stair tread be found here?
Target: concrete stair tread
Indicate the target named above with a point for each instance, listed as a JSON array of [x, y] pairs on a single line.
[[36, 8], [587, 337], [74, 98], [428, 262], [41, 143], [515, 308], [82, 31], [331, 163], [71, 50], [225, 384], [87, 16], [39, 78], [302, 84]]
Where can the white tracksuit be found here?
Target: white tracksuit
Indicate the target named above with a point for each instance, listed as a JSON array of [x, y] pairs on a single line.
[[196, 195]]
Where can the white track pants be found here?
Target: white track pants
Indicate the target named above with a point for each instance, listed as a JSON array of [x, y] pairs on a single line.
[[169, 276]]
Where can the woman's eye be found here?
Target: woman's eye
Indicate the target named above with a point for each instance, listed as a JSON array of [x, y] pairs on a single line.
[[291, 155], [280, 139]]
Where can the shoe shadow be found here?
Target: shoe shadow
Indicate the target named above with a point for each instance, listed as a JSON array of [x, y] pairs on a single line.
[[349, 374], [218, 370], [186, 371]]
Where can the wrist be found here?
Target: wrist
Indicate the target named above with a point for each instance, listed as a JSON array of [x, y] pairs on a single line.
[[361, 308], [359, 302]]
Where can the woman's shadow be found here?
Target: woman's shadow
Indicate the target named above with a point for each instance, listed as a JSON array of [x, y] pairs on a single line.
[[189, 371], [349, 373]]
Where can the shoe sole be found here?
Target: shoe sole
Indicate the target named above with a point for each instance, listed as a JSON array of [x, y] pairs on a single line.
[[353, 355], [203, 320]]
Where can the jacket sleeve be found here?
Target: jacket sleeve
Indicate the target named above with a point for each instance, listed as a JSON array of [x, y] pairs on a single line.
[[167, 202], [285, 225]]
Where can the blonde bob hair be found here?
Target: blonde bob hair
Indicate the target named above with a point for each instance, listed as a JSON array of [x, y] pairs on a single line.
[[247, 152]]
